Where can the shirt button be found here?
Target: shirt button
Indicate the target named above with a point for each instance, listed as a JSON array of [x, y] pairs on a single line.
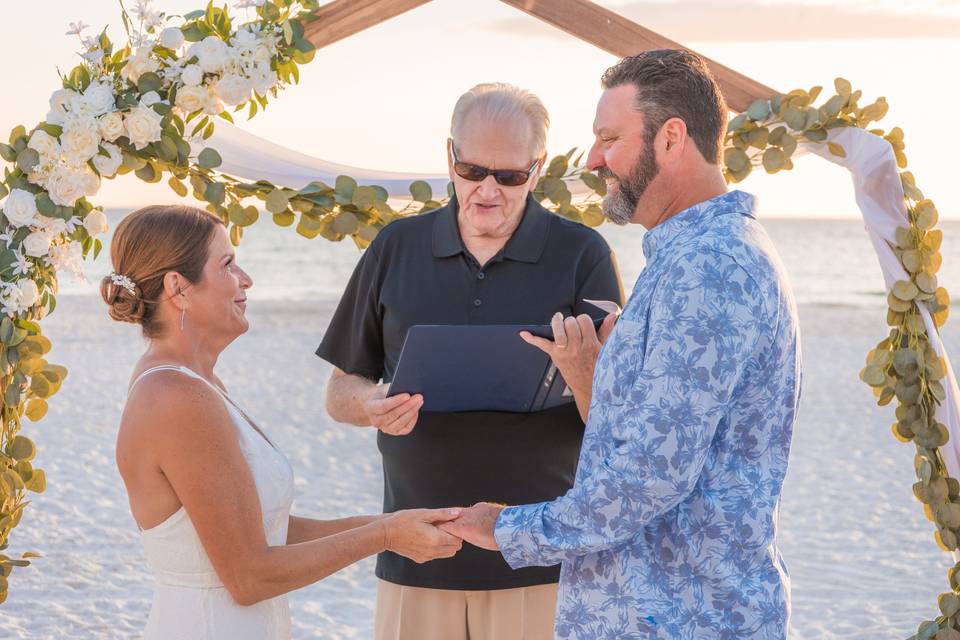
[[481, 275], [477, 302]]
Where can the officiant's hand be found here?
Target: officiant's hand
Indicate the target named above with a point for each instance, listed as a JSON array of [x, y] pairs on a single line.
[[476, 525], [417, 534], [575, 347], [396, 415]]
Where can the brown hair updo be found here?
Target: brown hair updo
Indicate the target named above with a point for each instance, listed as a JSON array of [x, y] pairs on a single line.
[[148, 244]]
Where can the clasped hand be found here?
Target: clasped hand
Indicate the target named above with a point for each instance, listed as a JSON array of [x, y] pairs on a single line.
[[428, 534]]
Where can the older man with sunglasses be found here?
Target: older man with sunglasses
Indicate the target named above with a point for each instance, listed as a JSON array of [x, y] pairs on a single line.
[[493, 255]]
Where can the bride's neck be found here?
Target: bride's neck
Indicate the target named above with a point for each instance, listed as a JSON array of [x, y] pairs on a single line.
[[197, 355]]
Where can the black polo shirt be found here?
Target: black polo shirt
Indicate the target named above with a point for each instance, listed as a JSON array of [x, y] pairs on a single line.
[[417, 271]]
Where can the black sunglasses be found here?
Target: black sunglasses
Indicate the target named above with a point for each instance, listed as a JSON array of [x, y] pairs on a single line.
[[476, 173]]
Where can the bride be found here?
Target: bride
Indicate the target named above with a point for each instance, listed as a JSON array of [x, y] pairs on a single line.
[[208, 488]]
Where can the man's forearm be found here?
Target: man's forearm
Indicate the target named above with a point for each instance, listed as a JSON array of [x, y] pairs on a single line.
[[345, 397], [583, 395]]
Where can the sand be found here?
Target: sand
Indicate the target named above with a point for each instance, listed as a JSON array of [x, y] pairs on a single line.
[[861, 555]]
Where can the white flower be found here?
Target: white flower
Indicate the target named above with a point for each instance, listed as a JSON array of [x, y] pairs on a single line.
[[46, 145], [191, 99], [37, 244], [171, 38], [76, 28], [212, 105], [80, 139], [143, 126], [66, 256], [211, 52], [93, 56], [264, 78], [139, 64], [192, 75], [67, 185], [233, 89], [111, 126], [99, 98], [22, 266], [150, 98], [96, 222], [29, 293], [20, 208], [246, 4], [59, 103], [108, 165]]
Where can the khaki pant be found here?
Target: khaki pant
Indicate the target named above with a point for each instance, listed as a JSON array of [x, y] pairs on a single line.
[[412, 613]]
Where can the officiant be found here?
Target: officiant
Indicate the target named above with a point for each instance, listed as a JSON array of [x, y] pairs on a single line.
[[492, 255]]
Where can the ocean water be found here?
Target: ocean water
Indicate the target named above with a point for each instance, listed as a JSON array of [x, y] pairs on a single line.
[[829, 261]]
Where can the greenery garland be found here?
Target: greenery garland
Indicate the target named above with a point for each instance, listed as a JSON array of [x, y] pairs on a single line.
[[904, 365], [136, 108]]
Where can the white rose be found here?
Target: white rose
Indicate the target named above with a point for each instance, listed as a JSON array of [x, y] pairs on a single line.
[[67, 185], [44, 144], [99, 98], [60, 101], [80, 139], [37, 244], [192, 75], [96, 222], [191, 99], [111, 126], [212, 54], [139, 64], [212, 105], [29, 293], [171, 38], [233, 89], [143, 126], [150, 98], [264, 79], [20, 208], [262, 54], [108, 165]]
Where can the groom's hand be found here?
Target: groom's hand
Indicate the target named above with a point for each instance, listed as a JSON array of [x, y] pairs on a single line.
[[396, 415], [575, 346], [476, 525]]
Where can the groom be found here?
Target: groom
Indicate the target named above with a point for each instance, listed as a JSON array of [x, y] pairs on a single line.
[[670, 528]]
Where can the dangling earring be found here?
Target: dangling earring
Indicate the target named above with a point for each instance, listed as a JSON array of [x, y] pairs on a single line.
[[183, 316]]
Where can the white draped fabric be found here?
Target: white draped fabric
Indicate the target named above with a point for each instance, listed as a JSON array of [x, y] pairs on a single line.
[[879, 194], [869, 158], [252, 158]]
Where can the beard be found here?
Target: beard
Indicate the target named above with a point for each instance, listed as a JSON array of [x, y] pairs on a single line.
[[619, 207]]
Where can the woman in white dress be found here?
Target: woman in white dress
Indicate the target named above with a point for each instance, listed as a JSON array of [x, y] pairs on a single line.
[[207, 487]]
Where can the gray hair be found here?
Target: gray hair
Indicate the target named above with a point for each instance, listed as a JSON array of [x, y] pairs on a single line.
[[501, 101]]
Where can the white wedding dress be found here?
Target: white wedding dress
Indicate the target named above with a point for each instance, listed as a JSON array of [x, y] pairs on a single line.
[[190, 602]]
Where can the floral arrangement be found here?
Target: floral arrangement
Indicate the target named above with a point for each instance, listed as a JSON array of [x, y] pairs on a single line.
[[904, 365]]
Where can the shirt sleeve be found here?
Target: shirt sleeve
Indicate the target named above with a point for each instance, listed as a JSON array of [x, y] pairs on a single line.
[[353, 341], [705, 321], [602, 283]]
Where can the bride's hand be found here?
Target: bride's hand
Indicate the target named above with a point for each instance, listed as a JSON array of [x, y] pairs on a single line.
[[414, 534]]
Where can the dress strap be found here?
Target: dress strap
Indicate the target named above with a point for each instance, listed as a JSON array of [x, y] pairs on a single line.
[[165, 367]]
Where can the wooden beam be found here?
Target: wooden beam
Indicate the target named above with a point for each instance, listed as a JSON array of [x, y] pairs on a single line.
[[343, 18], [621, 37]]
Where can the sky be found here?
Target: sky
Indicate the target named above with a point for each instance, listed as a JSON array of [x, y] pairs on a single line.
[[382, 98]]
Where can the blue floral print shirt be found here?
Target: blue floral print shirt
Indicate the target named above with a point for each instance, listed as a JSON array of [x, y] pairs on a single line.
[[670, 528]]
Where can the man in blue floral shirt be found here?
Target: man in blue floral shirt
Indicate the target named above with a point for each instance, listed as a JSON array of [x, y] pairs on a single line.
[[670, 528]]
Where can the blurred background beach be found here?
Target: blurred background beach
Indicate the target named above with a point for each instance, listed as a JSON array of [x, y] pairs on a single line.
[[860, 552]]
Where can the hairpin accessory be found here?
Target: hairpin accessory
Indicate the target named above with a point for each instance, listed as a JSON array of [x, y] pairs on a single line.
[[123, 281]]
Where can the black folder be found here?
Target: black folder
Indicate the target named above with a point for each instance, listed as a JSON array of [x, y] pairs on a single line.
[[479, 368]]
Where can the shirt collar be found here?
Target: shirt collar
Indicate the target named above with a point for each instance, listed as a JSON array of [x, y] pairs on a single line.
[[695, 218], [525, 245]]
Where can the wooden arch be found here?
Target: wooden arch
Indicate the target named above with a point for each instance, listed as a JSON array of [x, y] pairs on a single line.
[[581, 18]]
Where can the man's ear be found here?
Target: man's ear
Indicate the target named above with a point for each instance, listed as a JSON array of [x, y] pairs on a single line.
[[674, 139]]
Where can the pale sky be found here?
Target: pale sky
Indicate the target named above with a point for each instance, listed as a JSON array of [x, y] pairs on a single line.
[[382, 99]]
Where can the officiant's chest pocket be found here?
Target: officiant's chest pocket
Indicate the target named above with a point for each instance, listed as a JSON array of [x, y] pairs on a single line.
[[621, 361]]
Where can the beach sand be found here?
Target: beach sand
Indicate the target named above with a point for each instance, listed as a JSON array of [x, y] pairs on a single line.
[[860, 553]]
